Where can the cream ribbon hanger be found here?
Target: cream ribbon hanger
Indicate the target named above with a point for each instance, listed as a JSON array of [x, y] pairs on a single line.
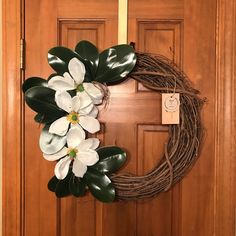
[[122, 21]]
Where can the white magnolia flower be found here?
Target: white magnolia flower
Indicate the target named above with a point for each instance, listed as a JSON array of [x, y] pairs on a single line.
[[80, 113], [80, 151], [74, 80]]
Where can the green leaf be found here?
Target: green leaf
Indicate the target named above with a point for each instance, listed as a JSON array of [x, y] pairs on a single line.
[[115, 68], [100, 185], [59, 57], [39, 118], [41, 100], [62, 187], [32, 82], [107, 59], [52, 184], [44, 118], [72, 92], [77, 186], [110, 159], [89, 53], [50, 143]]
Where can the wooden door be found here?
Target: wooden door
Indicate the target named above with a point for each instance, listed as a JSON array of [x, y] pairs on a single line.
[[191, 33], [50, 23]]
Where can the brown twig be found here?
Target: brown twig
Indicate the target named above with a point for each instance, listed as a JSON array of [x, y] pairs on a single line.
[[182, 149]]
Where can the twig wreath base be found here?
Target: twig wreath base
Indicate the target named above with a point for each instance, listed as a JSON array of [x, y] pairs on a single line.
[[66, 103], [181, 151]]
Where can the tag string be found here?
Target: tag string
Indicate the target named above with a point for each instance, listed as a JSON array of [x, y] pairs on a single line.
[[174, 87], [171, 170]]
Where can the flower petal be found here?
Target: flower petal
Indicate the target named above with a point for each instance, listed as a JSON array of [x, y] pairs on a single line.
[[94, 92], [62, 167], [85, 100], [75, 136], [89, 123], [86, 110], [59, 126], [68, 77], [63, 100], [60, 83], [88, 158], [90, 143], [76, 103], [94, 112], [56, 156], [79, 169], [77, 70]]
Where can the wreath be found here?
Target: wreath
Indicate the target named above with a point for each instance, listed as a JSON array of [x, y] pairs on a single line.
[[67, 104]]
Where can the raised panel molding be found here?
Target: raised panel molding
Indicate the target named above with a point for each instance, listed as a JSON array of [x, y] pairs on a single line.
[[71, 31], [151, 139], [168, 37]]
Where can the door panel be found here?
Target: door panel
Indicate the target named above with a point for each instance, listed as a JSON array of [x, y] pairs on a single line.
[[183, 31], [199, 64], [156, 27], [47, 24]]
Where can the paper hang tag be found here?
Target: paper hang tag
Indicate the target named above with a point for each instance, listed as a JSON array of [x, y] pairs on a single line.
[[170, 108]]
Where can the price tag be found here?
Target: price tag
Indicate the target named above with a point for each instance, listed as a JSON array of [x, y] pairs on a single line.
[[170, 108]]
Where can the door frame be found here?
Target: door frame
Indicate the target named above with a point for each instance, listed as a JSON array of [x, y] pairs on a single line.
[[12, 123], [13, 119]]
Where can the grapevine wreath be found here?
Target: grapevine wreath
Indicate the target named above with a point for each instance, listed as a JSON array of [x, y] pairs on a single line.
[[66, 103]]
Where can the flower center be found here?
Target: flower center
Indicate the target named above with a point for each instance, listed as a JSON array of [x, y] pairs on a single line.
[[80, 88], [72, 153], [73, 117]]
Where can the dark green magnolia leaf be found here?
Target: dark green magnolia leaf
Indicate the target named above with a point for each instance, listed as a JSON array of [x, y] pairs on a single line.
[[107, 59], [89, 54], [100, 185], [72, 92], [53, 183], [110, 159], [50, 143], [32, 82], [77, 186], [62, 187], [59, 57], [41, 100], [39, 118], [120, 66], [44, 118]]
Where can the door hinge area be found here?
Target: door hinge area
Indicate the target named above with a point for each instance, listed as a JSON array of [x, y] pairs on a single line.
[[22, 54]]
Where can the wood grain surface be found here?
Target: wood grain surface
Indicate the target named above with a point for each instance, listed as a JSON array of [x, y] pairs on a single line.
[[199, 36]]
